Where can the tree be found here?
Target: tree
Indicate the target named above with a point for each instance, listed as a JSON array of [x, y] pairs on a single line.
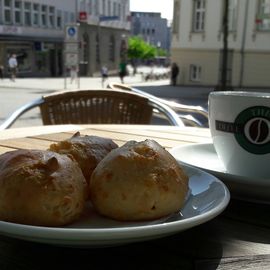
[[139, 49]]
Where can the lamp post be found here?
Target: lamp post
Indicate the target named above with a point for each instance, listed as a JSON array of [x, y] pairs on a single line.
[[225, 48]]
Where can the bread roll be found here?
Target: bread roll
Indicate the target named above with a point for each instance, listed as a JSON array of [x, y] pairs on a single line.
[[40, 188], [138, 181], [88, 151]]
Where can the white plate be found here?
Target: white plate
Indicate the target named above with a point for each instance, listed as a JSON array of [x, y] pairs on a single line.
[[207, 198], [204, 156]]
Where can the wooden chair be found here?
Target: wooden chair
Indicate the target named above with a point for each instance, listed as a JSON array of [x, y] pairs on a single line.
[[95, 106], [186, 112]]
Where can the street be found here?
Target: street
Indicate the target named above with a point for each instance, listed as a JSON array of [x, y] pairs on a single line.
[[24, 90]]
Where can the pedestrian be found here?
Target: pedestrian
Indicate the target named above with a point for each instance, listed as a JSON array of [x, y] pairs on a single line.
[[13, 65], [1, 72], [174, 73], [104, 75], [122, 71], [73, 74]]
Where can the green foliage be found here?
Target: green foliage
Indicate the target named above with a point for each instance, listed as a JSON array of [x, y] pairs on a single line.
[[139, 49], [161, 52]]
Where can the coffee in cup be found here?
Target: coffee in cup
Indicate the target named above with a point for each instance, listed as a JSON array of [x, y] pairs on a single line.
[[240, 128]]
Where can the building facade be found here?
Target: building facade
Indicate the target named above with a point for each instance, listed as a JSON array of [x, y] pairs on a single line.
[[34, 31], [152, 28], [104, 30], [197, 42]]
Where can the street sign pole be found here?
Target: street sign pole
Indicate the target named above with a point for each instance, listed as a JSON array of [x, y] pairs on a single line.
[[71, 53]]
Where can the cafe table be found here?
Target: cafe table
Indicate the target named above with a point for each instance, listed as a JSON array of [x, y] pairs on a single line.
[[238, 238]]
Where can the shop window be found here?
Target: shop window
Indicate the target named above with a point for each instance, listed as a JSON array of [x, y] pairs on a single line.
[[195, 73], [97, 49], [263, 16], [7, 12], [112, 49], [24, 57], [18, 12], [85, 48], [27, 14], [41, 60], [199, 15]]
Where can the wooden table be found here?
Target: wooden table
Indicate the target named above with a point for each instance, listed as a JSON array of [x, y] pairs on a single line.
[[239, 238]]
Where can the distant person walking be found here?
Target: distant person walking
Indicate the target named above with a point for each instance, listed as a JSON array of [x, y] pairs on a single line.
[[13, 65], [104, 75], [73, 74], [174, 73], [122, 71], [1, 71]]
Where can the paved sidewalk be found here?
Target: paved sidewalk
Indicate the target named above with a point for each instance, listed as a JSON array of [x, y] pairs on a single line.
[[24, 90]]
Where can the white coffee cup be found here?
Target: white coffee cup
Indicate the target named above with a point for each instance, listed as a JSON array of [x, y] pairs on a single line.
[[240, 127]]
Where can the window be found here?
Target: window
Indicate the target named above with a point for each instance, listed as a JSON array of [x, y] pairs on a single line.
[[7, 12], [96, 7], [199, 16], [229, 66], [114, 9], [82, 5], [90, 7], [18, 12], [66, 17], [97, 49], [176, 17], [124, 11], [51, 16], [59, 19], [112, 49], [119, 11], [27, 14], [109, 8], [195, 73], [263, 17], [72, 17], [36, 14], [44, 15], [232, 15], [104, 7]]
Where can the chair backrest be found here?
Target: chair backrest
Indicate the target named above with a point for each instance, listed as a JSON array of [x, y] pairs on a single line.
[[95, 106], [181, 109]]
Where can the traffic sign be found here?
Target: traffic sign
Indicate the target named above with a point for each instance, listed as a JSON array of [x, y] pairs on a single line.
[[71, 59], [72, 47], [71, 33]]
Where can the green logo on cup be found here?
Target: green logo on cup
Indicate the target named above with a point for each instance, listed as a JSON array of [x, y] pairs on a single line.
[[251, 129], [255, 135]]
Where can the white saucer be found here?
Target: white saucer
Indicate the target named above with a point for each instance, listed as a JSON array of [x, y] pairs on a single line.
[[204, 156], [207, 198]]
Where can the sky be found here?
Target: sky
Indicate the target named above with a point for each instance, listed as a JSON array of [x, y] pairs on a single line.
[[163, 6]]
